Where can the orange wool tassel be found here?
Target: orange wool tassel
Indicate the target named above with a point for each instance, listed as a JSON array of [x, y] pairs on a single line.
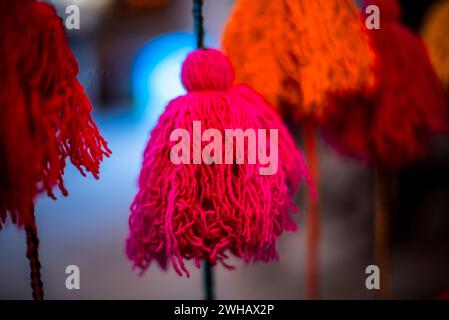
[[248, 41], [436, 37], [325, 49], [45, 117], [302, 49]]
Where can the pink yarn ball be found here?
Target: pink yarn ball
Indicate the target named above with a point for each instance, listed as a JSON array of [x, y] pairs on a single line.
[[207, 70]]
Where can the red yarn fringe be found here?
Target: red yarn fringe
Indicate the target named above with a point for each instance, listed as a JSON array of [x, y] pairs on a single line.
[[44, 112], [201, 211], [393, 124]]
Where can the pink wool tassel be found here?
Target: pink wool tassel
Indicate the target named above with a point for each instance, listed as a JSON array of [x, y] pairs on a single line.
[[208, 211]]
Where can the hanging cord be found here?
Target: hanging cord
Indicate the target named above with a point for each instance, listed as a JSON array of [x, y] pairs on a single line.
[[199, 34], [33, 257], [313, 219], [382, 234], [198, 23], [208, 281]]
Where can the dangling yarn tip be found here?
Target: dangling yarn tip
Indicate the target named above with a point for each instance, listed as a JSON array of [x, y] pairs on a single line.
[[33, 258], [392, 125]]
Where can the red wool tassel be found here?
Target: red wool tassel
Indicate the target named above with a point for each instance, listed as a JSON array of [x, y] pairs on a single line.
[[44, 116], [313, 218], [393, 124], [205, 211], [45, 113]]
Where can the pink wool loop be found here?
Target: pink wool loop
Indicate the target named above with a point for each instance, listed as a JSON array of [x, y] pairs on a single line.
[[207, 70], [390, 10]]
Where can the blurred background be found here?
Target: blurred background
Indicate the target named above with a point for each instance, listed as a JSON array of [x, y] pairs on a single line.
[[130, 53]]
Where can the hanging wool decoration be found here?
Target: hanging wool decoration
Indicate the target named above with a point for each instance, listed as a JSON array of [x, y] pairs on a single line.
[[391, 125], [203, 211], [45, 116], [324, 49], [436, 37], [295, 52], [327, 50]]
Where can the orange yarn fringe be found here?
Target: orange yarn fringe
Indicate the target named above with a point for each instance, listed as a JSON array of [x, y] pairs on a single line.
[[436, 36], [248, 43], [296, 52]]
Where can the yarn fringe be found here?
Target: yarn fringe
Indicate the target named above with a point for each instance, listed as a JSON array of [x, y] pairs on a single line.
[[296, 52], [45, 112], [392, 124]]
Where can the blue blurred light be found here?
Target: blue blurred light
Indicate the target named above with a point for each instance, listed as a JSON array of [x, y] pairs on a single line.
[[155, 74], [155, 77]]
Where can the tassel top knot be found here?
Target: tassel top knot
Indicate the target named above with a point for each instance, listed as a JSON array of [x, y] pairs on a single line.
[[207, 70], [390, 10]]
